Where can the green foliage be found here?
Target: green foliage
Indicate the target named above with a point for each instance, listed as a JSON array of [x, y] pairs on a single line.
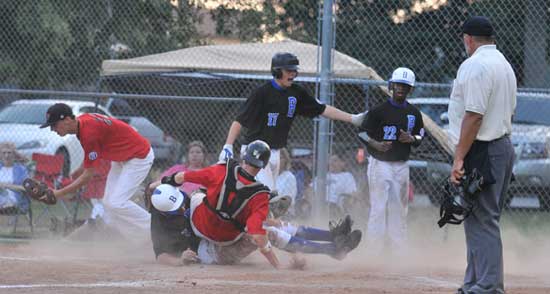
[[429, 42], [295, 19], [61, 44]]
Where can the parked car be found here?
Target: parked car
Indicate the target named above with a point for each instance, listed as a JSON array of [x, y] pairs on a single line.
[[20, 122], [531, 140]]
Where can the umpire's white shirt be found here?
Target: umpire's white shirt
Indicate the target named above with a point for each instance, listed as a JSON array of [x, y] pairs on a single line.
[[485, 84]]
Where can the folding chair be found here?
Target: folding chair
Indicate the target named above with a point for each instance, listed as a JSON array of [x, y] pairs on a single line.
[[94, 189], [15, 212], [49, 170]]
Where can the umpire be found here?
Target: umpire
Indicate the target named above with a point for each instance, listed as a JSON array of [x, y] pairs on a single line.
[[482, 103]]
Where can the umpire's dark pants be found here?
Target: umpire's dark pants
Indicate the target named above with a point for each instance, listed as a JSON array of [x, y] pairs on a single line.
[[484, 273]]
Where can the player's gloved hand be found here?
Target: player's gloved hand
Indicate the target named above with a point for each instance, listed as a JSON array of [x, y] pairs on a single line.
[[226, 153], [170, 180], [357, 119]]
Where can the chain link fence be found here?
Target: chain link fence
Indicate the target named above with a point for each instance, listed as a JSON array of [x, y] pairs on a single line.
[[127, 59]]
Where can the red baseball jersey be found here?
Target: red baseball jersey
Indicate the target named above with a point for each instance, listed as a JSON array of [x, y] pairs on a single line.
[[104, 137], [210, 224]]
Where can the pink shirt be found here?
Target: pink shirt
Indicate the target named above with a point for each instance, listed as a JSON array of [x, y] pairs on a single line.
[[187, 187]]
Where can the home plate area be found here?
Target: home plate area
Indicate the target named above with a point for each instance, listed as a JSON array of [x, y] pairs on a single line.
[[72, 267]]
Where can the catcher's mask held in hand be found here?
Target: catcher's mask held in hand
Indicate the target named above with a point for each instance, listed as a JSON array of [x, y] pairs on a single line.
[[457, 203]]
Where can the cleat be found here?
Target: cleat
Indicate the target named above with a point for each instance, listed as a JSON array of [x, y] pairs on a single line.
[[345, 244], [340, 228]]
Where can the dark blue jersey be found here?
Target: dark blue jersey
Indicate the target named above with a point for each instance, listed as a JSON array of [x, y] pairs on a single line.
[[269, 112], [384, 122]]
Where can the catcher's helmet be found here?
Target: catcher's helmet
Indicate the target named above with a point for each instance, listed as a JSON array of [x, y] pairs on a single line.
[[454, 209], [458, 201], [167, 198], [402, 75], [257, 154], [283, 60]]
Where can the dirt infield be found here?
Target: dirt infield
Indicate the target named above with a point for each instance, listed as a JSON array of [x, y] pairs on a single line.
[[433, 263], [58, 266]]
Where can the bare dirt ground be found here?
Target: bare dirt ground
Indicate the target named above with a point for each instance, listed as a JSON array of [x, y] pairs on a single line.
[[61, 266]]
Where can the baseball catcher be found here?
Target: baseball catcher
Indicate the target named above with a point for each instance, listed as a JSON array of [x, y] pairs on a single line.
[[39, 191]]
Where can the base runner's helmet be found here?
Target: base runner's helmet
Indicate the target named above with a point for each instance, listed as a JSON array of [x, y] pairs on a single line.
[[283, 60], [402, 75], [167, 198], [257, 154]]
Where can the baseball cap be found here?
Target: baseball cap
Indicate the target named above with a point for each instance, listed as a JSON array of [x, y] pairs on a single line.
[[478, 26], [57, 112]]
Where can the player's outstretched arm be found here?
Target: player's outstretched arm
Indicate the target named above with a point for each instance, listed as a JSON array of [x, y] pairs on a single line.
[[337, 114], [227, 150], [234, 132], [82, 180], [265, 248]]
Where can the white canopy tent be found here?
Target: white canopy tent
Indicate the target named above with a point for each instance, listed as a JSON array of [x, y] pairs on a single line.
[[247, 58]]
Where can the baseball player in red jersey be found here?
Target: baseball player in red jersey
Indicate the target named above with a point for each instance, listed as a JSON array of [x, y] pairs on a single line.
[[235, 206], [131, 157]]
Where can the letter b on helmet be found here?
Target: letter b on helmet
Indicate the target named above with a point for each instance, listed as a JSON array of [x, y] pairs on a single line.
[[257, 154], [402, 75], [167, 198]]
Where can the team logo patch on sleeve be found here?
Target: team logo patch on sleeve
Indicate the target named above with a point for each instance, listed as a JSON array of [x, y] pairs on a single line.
[[92, 155], [292, 101], [411, 119]]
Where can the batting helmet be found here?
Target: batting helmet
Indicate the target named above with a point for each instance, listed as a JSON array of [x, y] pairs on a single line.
[[167, 198], [402, 75], [257, 154], [283, 60]]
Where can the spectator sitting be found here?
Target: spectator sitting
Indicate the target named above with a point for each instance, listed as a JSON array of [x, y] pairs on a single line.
[[302, 205], [194, 160], [286, 181], [341, 184], [12, 174]]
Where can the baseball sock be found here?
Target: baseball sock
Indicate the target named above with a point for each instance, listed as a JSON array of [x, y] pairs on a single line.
[[313, 234], [297, 244]]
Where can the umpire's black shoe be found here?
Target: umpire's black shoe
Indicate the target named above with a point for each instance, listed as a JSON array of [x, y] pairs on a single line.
[[340, 228], [345, 244]]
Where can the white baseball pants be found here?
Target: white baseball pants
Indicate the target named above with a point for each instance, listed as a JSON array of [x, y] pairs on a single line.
[[123, 182], [389, 200]]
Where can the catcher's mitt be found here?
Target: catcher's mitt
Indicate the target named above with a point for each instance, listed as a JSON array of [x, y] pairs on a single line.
[[39, 191]]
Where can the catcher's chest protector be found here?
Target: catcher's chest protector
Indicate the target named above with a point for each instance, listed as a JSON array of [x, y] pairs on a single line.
[[228, 211]]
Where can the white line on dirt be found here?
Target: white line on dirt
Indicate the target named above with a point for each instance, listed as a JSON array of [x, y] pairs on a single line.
[[436, 282], [49, 258], [122, 284]]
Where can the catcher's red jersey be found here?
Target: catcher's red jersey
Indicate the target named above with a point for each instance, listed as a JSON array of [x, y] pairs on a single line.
[[109, 138], [213, 227]]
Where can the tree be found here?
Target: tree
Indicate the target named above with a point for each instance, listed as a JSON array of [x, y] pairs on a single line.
[[61, 44]]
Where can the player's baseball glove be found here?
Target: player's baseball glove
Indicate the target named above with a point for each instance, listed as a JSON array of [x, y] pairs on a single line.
[[39, 191]]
